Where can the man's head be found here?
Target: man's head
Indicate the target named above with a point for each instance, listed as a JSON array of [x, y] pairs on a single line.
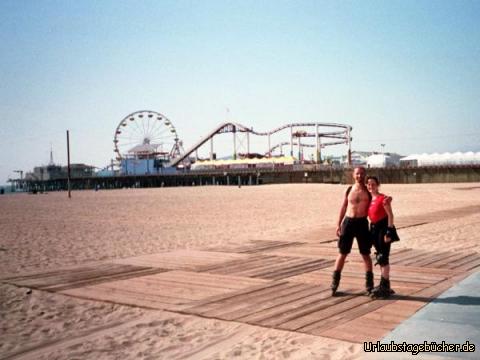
[[359, 175]]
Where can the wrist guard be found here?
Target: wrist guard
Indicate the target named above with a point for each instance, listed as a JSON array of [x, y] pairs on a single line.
[[392, 233]]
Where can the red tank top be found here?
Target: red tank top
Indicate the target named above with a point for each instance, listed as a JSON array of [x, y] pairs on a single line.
[[376, 211]]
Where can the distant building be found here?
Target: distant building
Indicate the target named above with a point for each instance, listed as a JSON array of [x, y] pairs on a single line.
[[46, 172], [79, 170], [372, 159], [383, 160], [53, 172], [138, 166], [359, 158]]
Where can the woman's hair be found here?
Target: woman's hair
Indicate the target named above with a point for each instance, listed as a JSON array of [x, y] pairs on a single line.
[[374, 178]]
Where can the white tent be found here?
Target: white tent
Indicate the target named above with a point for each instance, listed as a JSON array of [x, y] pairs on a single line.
[[435, 159]]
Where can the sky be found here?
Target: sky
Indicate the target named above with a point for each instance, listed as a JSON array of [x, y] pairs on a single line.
[[403, 73]]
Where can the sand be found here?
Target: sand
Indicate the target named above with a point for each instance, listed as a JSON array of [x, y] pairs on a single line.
[[49, 231]]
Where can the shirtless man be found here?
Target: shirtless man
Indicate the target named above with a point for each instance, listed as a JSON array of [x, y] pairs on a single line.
[[352, 222]]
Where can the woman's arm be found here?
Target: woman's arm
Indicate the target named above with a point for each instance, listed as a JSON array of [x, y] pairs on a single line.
[[388, 210], [391, 234]]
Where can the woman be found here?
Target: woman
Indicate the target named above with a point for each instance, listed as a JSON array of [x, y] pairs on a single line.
[[382, 232]]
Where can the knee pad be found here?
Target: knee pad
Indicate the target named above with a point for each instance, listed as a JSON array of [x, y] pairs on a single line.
[[382, 259]]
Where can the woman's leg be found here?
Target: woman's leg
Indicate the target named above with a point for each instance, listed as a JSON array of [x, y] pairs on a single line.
[[386, 272]]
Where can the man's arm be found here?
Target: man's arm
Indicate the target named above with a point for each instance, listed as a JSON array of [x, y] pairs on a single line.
[[343, 210]]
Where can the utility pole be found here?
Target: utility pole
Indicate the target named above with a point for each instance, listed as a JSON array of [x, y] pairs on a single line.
[[68, 166]]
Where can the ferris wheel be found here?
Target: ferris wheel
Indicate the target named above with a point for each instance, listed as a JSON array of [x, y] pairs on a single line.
[[145, 134]]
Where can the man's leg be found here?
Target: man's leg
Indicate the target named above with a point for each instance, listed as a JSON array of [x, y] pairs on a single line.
[[340, 262], [367, 262], [337, 272], [344, 244], [365, 246]]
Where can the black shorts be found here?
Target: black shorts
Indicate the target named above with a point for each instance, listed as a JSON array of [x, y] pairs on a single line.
[[358, 228], [377, 234]]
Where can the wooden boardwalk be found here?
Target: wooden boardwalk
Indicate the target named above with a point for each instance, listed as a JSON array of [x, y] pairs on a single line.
[[273, 284]]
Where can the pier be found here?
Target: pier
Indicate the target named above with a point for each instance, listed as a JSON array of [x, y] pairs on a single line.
[[308, 174]]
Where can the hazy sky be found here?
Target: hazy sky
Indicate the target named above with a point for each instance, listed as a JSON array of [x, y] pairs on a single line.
[[402, 73]]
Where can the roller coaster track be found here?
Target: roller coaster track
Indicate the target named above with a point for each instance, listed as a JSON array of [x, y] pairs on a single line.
[[287, 143], [231, 127]]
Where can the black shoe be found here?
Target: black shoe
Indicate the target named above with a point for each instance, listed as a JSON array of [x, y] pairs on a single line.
[[369, 282], [383, 290], [335, 282]]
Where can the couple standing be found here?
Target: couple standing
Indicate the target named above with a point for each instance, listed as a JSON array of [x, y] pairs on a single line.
[[362, 201]]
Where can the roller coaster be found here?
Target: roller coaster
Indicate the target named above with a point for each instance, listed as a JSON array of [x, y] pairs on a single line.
[[325, 134]]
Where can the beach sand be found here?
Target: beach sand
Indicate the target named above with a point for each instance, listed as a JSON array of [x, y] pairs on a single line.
[[49, 232]]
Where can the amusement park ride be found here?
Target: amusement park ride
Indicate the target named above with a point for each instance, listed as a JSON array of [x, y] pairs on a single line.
[[146, 135], [149, 140]]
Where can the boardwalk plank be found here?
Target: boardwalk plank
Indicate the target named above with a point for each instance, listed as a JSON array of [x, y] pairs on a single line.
[[286, 297], [252, 291], [334, 307], [317, 303], [242, 302], [423, 269], [408, 258], [426, 257], [443, 262], [172, 290], [81, 276], [253, 264], [474, 264], [467, 259], [436, 256], [290, 271], [210, 305], [319, 327], [234, 264], [255, 246], [283, 309], [355, 332], [279, 263], [181, 259]]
